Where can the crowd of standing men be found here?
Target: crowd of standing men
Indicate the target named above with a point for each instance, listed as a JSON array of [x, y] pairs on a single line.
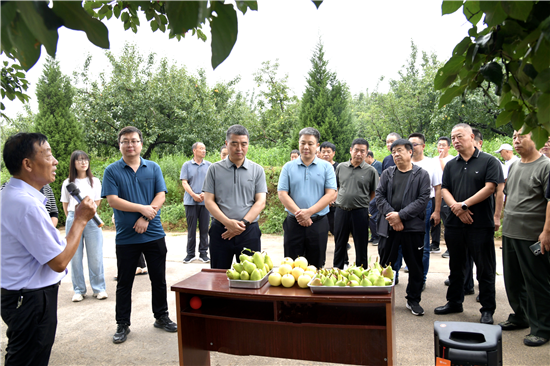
[[403, 201]]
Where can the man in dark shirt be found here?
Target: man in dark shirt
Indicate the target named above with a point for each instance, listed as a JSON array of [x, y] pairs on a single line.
[[356, 182], [469, 182], [327, 150], [388, 160], [402, 196], [373, 210]]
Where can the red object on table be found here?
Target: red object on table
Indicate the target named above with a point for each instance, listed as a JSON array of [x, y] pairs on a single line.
[[195, 302], [285, 322]]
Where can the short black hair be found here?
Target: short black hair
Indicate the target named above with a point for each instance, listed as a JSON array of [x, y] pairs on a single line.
[[19, 147], [360, 141], [295, 152], [223, 147], [445, 138], [327, 145], [129, 129], [236, 130], [310, 131], [419, 136], [408, 145], [478, 136], [370, 153]]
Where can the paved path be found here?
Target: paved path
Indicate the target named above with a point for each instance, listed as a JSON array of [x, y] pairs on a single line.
[[85, 330]]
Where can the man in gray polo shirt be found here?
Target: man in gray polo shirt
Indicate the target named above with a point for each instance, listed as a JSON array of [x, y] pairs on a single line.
[[193, 173], [357, 183], [234, 194]]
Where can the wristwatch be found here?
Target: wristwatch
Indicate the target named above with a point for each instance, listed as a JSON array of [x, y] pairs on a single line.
[[145, 218], [464, 206], [246, 223]]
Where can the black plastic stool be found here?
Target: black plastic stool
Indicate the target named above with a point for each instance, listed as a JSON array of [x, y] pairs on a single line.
[[465, 343]]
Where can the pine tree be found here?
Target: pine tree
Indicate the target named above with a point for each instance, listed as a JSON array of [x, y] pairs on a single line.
[[325, 106], [56, 120]]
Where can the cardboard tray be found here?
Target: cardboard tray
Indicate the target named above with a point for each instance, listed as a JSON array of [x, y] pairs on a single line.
[[347, 290], [248, 283]]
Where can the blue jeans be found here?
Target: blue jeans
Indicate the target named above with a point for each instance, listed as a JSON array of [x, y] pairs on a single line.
[[92, 237], [426, 254]]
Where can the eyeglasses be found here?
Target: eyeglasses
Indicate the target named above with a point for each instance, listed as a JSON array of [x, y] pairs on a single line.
[[82, 161], [416, 144], [133, 142]]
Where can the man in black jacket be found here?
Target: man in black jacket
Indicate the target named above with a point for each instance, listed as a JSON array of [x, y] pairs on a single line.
[[402, 196]]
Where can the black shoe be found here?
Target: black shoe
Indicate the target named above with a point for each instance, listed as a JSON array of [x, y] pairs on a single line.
[[486, 318], [415, 308], [534, 341], [188, 259], [165, 323], [371, 240], [469, 292], [122, 331], [423, 286], [435, 249], [348, 246], [396, 280], [449, 308], [375, 242], [204, 258], [447, 282], [508, 325], [446, 254], [477, 298]]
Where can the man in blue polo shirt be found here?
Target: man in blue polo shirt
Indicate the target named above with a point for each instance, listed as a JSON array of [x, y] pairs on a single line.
[[306, 187], [193, 173], [135, 189]]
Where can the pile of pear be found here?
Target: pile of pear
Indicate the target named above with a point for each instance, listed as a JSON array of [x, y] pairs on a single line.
[[353, 276], [293, 271], [251, 267]]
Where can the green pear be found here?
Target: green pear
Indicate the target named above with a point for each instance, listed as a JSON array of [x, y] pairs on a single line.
[[269, 262], [329, 281], [345, 273], [353, 283], [233, 275], [263, 273], [256, 275], [357, 271], [388, 272], [389, 281], [316, 282], [244, 275], [266, 268], [238, 267], [365, 282], [341, 282], [353, 277], [244, 257], [380, 281], [258, 259], [249, 266]]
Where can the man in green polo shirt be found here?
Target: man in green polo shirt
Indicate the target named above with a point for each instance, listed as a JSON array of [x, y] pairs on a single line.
[[357, 183]]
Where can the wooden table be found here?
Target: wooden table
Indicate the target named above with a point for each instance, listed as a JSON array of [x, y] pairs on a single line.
[[282, 322]]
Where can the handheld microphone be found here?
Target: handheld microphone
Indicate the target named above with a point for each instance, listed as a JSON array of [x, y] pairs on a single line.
[[75, 192]]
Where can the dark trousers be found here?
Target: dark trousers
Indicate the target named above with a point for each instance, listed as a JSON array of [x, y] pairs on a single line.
[[222, 251], [309, 242], [436, 230], [412, 247], [330, 217], [480, 245], [373, 219], [31, 327], [192, 214], [127, 257], [354, 222], [527, 282]]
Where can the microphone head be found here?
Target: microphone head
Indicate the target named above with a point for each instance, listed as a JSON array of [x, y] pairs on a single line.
[[73, 189]]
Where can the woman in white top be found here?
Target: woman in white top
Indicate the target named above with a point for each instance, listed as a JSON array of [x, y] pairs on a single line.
[[81, 175]]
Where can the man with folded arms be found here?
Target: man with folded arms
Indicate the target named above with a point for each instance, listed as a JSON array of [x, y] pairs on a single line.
[[34, 257], [526, 221]]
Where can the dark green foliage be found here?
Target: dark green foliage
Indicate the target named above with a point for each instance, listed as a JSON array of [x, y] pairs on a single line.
[[325, 106], [55, 120]]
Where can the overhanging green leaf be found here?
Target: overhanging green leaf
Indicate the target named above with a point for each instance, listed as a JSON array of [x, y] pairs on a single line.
[[461, 47], [545, 28], [450, 94], [454, 65], [542, 81], [494, 14], [317, 3], [185, 15], [517, 119], [35, 14], [492, 72], [539, 136], [75, 17], [224, 28], [472, 12], [23, 43], [543, 105], [443, 80], [9, 9], [449, 7], [540, 59], [503, 118], [517, 9]]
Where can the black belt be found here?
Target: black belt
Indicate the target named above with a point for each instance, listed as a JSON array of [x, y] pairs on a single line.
[[26, 290], [346, 208], [313, 218]]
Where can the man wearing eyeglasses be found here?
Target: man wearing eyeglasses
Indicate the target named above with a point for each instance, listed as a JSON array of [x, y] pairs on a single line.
[[135, 189]]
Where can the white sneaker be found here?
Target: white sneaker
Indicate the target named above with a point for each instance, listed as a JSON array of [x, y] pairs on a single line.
[[101, 295], [78, 297]]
